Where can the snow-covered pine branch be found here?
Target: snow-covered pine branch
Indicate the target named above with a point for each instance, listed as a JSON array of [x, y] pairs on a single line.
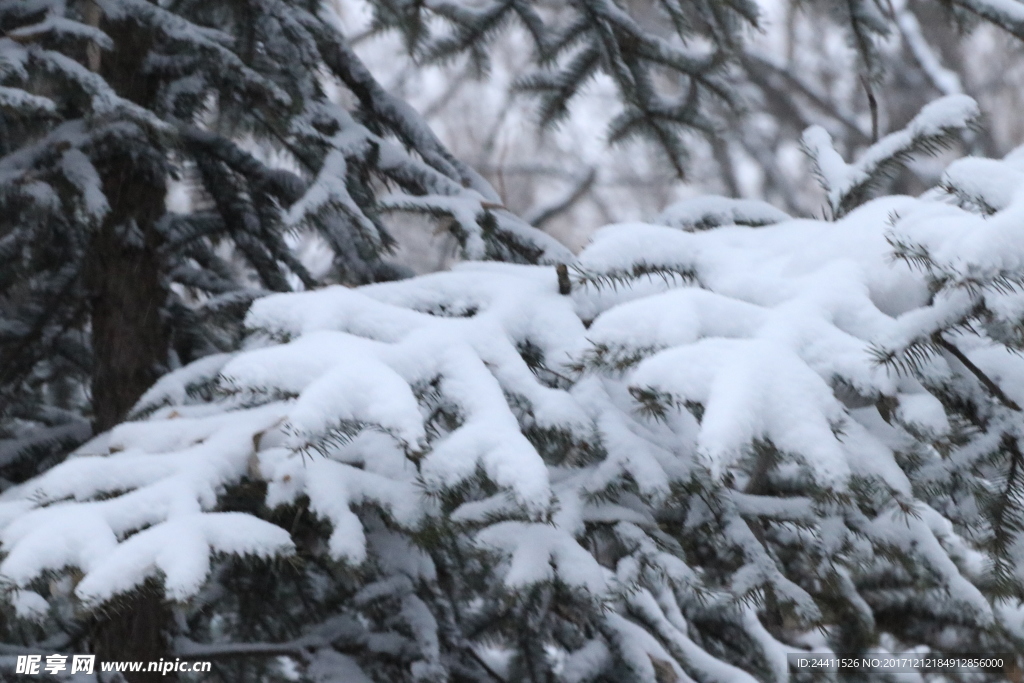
[[942, 79], [937, 127], [984, 185], [470, 475], [189, 150], [1006, 14], [703, 213]]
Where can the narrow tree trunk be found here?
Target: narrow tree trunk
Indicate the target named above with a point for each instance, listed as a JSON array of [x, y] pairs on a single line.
[[127, 298], [123, 272], [129, 341], [134, 632], [129, 338]]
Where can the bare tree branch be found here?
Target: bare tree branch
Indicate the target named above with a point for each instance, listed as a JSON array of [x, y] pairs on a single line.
[[987, 381], [546, 214]]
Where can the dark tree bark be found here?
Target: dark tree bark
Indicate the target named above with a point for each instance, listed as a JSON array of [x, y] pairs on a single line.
[[123, 271], [129, 336], [134, 631]]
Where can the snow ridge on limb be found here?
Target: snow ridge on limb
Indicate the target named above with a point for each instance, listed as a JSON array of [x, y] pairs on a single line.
[[388, 406], [702, 213], [270, 138], [475, 474], [934, 129], [431, 180], [984, 186], [1006, 14]]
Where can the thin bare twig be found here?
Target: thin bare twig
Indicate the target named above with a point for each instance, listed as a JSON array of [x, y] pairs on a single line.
[[987, 381], [758, 67], [578, 191], [299, 649], [873, 106]]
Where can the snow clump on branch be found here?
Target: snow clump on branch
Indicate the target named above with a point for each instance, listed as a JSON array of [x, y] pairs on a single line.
[[726, 443]]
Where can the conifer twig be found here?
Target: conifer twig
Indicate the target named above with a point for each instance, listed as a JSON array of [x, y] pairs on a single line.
[[486, 667], [987, 381], [873, 106], [296, 648]]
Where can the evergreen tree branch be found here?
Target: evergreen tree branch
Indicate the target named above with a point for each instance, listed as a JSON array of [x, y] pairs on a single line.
[[1008, 15], [575, 194], [395, 114], [283, 184], [872, 107], [986, 381], [298, 649]]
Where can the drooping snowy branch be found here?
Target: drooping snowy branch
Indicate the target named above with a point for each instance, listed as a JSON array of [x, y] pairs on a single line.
[[249, 134], [811, 442], [850, 185]]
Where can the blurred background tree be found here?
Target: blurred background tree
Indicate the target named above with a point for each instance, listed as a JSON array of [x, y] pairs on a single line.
[[799, 66]]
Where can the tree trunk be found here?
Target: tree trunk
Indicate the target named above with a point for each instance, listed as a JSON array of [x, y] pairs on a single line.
[[134, 632], [124, 279], [129, 341], [129, 338], [123, 273]]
